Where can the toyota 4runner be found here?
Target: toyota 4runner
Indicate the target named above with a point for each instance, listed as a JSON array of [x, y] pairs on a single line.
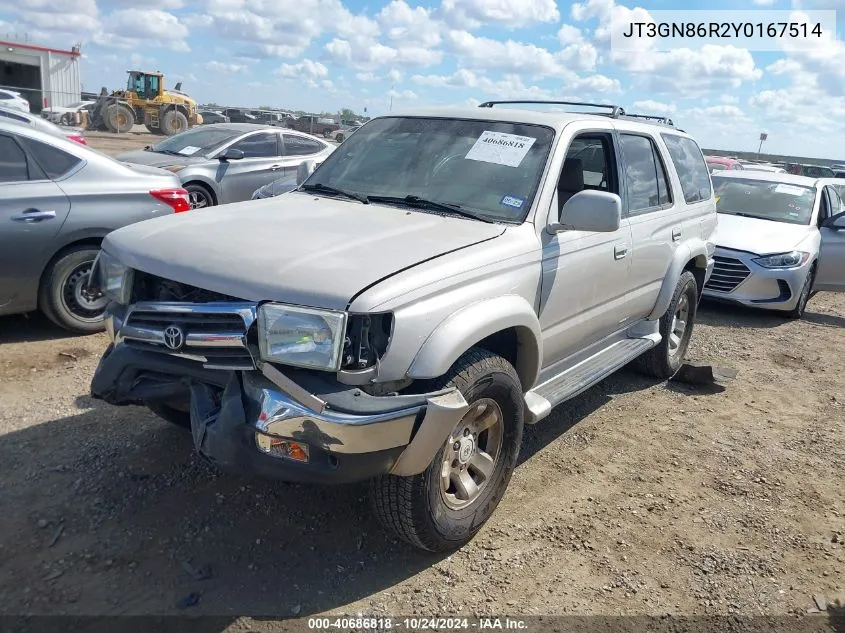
[[442, 279]]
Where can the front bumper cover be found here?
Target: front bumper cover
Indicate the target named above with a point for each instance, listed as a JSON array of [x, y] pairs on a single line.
[[230, 410]]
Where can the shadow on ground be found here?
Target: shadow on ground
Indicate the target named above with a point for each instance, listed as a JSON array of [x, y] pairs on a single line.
[[717, 313], [34, 326]]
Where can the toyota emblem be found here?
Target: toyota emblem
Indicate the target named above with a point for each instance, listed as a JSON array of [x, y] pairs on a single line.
[[173, 337]]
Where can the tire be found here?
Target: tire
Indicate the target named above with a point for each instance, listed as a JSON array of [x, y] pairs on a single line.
[[327, 133], [120, 118], [173, 122], [339, 138], [806, 293], [171, 414], [199, 195], [665, 359], [428, 510], [63, 297]]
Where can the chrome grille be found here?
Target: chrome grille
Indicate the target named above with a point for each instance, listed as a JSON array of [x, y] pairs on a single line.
[[214, 334], [728, 273]]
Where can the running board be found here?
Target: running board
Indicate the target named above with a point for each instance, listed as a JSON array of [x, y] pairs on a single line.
[[578, 378]]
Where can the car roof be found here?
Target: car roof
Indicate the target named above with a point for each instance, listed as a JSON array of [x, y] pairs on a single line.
[[244, 128], [770, 176], [555, 119]]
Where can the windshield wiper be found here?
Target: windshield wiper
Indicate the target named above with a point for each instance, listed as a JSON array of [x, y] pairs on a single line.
[[745, 215], [423, 203], [360, 197]]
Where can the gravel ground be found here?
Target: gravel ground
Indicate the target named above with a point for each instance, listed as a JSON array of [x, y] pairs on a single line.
[[637, 497]]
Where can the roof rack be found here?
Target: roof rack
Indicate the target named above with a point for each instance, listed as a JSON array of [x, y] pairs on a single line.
[[665, 120], [615, 110]]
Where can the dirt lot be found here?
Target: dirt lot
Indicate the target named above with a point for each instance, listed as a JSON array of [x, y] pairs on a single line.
[[112, 144], [636, 498]]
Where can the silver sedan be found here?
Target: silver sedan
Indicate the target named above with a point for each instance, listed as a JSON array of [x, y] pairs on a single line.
[[58, 199], [227, 162]]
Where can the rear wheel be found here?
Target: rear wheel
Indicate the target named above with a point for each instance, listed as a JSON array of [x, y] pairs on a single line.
[[120, 118], [173, 122], [665, 359], [327, 133], [64, 295], [339, 138], [444, 506]]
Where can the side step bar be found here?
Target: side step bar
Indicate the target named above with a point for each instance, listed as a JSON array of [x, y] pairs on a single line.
[[578, 378]]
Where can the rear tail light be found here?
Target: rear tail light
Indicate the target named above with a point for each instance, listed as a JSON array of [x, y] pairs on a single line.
[[77, 138], [176, 198]]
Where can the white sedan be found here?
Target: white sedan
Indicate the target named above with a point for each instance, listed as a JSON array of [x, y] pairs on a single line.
[[13, 100], [780, 239], [65, 114]]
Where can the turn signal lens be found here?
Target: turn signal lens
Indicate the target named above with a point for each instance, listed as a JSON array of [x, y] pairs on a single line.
[[277, 447]]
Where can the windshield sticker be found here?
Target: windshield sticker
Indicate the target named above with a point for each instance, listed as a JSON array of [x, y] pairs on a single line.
[[792, 190], [500, 148], [188, 150], [512, 201]]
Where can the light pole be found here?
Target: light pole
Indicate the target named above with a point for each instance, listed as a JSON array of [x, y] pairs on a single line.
[[763, 137]]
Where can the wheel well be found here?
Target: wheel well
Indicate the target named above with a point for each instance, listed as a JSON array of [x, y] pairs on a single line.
[[698, 268], [199, 183], [515, 345], [88, 241]]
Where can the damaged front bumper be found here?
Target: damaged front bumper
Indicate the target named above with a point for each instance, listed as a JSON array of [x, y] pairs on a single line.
[[313, 430]]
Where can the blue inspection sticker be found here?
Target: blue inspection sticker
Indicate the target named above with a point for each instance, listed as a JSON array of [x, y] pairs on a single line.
[[512, 201]]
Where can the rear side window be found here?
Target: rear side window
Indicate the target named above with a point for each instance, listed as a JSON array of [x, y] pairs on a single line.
[[645, 175], [301, 146], [52, 160], [15, 117], [13, 166], [691, 168], [259, 146]]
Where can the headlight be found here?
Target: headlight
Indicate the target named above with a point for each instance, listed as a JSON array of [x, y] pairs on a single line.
[[175, 168], [115, 279], [783, 260], [300, 336]]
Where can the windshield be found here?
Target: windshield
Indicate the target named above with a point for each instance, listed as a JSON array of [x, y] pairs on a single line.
[[776, 201], [196, 141], [490, 169]]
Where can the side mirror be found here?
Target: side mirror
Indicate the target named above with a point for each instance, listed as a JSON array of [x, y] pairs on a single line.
[[590, 210], [836, 222], [231, 154], [304, 171]]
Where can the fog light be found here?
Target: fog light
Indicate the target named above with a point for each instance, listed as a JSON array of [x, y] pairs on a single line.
[[277, 447]]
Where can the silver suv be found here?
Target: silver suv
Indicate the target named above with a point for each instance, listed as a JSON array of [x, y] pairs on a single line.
[[442, 279]]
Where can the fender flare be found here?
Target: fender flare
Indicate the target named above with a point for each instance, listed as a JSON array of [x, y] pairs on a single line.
[[472, 324], [691, 251]]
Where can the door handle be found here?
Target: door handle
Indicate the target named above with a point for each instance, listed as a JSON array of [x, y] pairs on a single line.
[[34, 215], [619, 252], [276, 167], [676, 235]]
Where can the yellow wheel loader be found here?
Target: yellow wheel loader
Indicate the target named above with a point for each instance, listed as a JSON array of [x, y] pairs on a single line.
[[146, 101]]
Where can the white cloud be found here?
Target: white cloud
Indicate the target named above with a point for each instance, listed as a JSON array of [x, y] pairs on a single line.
[[306, 68], [143, 29], [649, 106], [512, 86], [368, 77], [569, 34], [148, 4], [410, 25], [763, 3], [406, 95], [363, 54], [395, 75], [510, 14], [222, 67]]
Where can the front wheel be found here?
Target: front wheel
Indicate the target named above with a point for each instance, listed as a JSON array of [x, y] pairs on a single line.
[[339, 138], [443, 507], [173, 122], [665, 359], [806, 292]]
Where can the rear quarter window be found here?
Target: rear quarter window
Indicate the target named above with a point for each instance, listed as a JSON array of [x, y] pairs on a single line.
[[52, 160], [689, 164]]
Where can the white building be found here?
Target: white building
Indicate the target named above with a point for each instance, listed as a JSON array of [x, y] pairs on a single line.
[[44, 76]]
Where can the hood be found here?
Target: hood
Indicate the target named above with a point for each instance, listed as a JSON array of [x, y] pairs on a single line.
[[277, 187], [758, 236], [154, 159], [297, 248]]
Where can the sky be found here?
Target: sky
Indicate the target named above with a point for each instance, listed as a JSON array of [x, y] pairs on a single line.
[[324, 55]]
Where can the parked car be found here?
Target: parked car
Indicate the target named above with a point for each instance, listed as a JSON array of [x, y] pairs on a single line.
[[780, 239], [227, 162], [58, 199], [210, 116], [37, 123], [317, 126], [721, 163], [839, 173], [764, 167], [430, 288], [276, 188], [343, 133], [65, 115], [13, 100], [239, 116], [811, 171]]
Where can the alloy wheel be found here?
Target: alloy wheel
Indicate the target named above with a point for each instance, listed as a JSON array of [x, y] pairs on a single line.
[[679, 325]]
